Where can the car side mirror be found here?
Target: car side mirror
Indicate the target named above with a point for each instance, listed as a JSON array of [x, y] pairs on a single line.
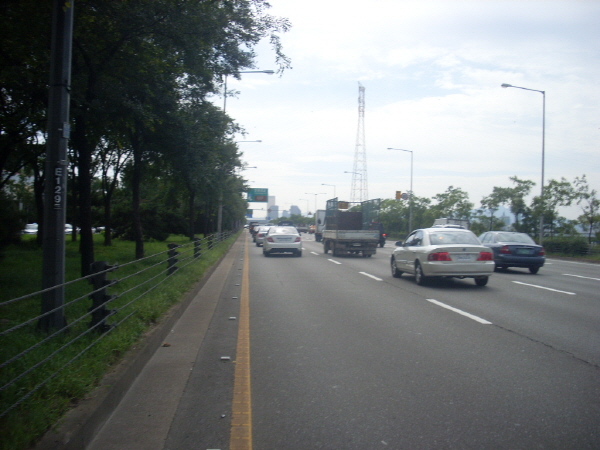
[[399, 243]]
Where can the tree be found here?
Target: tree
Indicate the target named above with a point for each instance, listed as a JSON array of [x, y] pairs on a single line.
[[132, 56], [394, 215], [113, 158], [492, 202], [589, 202], [454, 202], [556, 193], [516, 200], [24, 66]]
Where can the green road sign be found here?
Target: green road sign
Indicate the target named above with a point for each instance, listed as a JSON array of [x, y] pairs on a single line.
[[260, 195]]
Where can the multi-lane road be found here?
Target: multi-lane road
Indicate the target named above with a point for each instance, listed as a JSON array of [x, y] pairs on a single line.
[[344, 356]]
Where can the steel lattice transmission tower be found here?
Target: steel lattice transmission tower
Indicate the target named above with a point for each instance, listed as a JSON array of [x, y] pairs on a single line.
[[359, 191]]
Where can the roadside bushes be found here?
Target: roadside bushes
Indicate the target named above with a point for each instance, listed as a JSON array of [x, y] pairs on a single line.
[[572, 246]]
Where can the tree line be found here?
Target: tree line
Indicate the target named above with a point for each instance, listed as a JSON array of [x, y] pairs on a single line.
[[149, 154], [454, 202]]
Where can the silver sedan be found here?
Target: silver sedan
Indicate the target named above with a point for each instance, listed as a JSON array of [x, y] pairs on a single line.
[[282, 240], [442, 252]]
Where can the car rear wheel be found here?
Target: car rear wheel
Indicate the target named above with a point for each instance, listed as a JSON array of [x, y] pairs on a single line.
[[419, 277], [395, 272], [298, 253], [481, 281], [265, 253], [534, 270]]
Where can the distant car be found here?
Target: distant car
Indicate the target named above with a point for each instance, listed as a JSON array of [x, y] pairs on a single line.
[[260, 235], [442, 252], [30, 228], [514, 250], [68, 228], [282, 240], [252, 226]]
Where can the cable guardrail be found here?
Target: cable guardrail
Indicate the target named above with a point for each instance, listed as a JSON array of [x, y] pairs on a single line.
[[26, 349]]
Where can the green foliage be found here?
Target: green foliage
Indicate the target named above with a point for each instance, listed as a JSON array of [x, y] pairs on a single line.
[[19, 272], [573, 246], [454, 202], [587, 199], [11, 223]]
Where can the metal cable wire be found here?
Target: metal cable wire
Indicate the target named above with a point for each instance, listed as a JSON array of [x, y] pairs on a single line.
[[192, 258]]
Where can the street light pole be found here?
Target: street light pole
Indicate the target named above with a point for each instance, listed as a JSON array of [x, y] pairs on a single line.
[[324, 184], [220, 208], [542, 202], [410, 200], [312, 193]]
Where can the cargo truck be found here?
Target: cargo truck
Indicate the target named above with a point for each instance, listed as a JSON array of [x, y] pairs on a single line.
[[351, 228], [319, 224]]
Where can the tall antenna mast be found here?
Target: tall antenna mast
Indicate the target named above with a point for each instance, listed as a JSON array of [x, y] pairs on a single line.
[[359, 191]]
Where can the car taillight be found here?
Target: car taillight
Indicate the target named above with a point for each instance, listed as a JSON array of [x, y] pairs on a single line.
[[439, 256], [270, 239], [485, 256], [505, 250], [298, 239], [384, 235]]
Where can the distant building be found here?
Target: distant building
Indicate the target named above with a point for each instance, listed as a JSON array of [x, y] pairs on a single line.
[[273, 212], [294, 210], [285, 213]]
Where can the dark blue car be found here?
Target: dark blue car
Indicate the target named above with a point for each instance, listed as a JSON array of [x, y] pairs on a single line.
[[514, 250]]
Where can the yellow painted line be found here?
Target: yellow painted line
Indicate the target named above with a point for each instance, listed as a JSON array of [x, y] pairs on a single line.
[[241, 413]]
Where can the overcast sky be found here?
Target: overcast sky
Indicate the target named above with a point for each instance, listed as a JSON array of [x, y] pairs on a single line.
[[432, 72]]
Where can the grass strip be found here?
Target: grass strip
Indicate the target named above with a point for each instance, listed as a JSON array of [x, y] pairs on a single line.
[[71, 377]]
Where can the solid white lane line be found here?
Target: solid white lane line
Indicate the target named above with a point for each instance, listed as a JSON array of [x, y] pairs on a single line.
[[456, 310], [580, 276], [546, 288], [370, 276], [334, 261]]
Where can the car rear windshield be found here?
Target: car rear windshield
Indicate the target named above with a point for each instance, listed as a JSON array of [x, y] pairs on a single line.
[[283, 230], [448, 237], [514, 237]]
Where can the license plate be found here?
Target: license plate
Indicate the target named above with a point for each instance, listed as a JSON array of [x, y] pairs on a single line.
[[284, 239], [461, 257], [524, 251]]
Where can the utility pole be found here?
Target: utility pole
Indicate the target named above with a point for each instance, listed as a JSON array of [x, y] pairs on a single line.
[[55, 188], [359, 191]]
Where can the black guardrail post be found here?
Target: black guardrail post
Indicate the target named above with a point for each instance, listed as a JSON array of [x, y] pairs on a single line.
[[197, 247], [99, 296], [172, 260]]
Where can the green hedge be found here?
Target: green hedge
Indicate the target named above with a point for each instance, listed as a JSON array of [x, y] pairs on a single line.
[[567, 246]]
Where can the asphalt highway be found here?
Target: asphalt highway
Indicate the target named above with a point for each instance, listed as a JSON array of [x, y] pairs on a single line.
[[338, 354]]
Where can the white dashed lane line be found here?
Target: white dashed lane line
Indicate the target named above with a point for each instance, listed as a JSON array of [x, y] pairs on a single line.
[[546, 288], [334, 261], [580, 276], [370, 276], [456, 310]]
